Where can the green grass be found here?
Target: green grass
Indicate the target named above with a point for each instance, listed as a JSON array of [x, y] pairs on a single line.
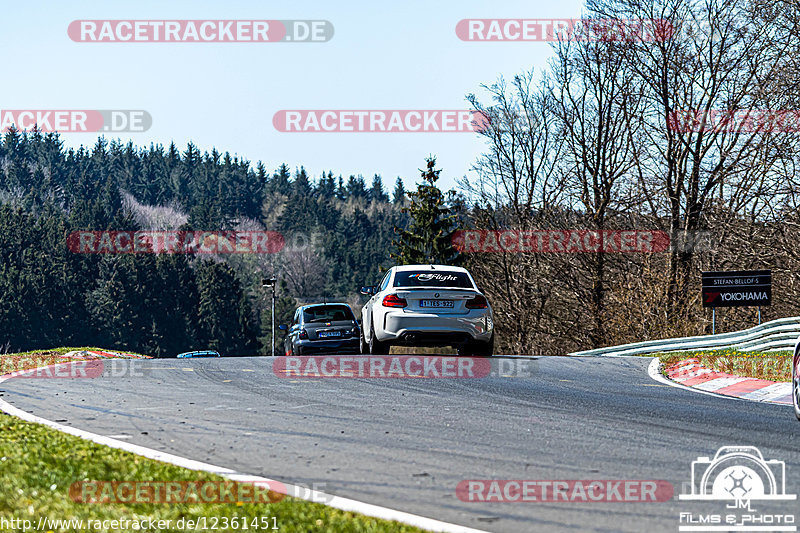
[[773, 366], [39, 464], [14, 362], [61, 351]]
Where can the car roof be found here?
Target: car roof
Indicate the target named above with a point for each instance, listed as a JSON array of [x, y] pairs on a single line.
[[321, 305], [433, 268], [198, 352]]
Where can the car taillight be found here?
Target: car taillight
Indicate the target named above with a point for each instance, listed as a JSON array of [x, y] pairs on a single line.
[[303, 334], [479, 302], [393, 300]]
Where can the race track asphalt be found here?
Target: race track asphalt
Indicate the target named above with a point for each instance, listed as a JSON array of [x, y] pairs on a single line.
[[407, 443]]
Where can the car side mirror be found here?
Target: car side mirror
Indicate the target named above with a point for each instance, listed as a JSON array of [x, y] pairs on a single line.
[[368, 291], [283, 327]]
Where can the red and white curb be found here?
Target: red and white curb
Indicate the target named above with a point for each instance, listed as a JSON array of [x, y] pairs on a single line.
[[296, 491], [98, 354], [691, 374], [65, 361]]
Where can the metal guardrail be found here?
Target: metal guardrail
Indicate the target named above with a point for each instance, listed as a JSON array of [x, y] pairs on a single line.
[[780, 334]]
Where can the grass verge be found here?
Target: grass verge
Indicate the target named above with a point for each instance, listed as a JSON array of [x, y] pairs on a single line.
[[773, 366], [38, 465]]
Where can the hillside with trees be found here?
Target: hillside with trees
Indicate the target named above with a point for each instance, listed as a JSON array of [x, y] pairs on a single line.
[[337, 233]]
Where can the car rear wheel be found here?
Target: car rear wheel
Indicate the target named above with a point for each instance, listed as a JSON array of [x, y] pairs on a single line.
[[376, 347], [479, 349]]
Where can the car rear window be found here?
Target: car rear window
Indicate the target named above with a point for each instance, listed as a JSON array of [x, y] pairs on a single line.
[[426, 278], [327, 313]]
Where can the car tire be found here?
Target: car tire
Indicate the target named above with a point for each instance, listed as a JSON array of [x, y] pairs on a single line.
[[796, 385], [477, 349], [376, 347], [363, 347], [486, 349]]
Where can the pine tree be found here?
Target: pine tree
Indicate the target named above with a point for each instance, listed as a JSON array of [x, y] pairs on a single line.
[[326, 188], [399, 197], [428, 239], [341, 192], [301, 186], [280, 180], [356, 187], [223, 315], [376, 192]]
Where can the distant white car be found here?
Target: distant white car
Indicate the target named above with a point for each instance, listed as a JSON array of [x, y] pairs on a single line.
[[201, 353], [427, 305]]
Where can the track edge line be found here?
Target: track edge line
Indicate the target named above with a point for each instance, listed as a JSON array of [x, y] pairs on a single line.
[[337, 502]]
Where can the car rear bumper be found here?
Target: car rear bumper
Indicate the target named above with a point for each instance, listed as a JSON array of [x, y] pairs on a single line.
[[430, 329], [310, 347]]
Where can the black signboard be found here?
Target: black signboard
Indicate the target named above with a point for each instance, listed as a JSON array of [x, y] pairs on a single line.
[[737, 289]]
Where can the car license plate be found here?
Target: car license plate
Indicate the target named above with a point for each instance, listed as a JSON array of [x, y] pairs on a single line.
[[437, 304], [323, 334]]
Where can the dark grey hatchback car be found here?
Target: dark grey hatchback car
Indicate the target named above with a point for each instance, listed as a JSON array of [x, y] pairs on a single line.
[[322, 328]]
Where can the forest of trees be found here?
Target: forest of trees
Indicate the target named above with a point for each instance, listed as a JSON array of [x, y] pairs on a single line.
[[337, 233]]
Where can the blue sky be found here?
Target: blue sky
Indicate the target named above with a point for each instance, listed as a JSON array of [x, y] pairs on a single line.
[[400, 55]]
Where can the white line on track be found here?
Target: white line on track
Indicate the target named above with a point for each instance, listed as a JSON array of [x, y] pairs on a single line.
[[345, 504]]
